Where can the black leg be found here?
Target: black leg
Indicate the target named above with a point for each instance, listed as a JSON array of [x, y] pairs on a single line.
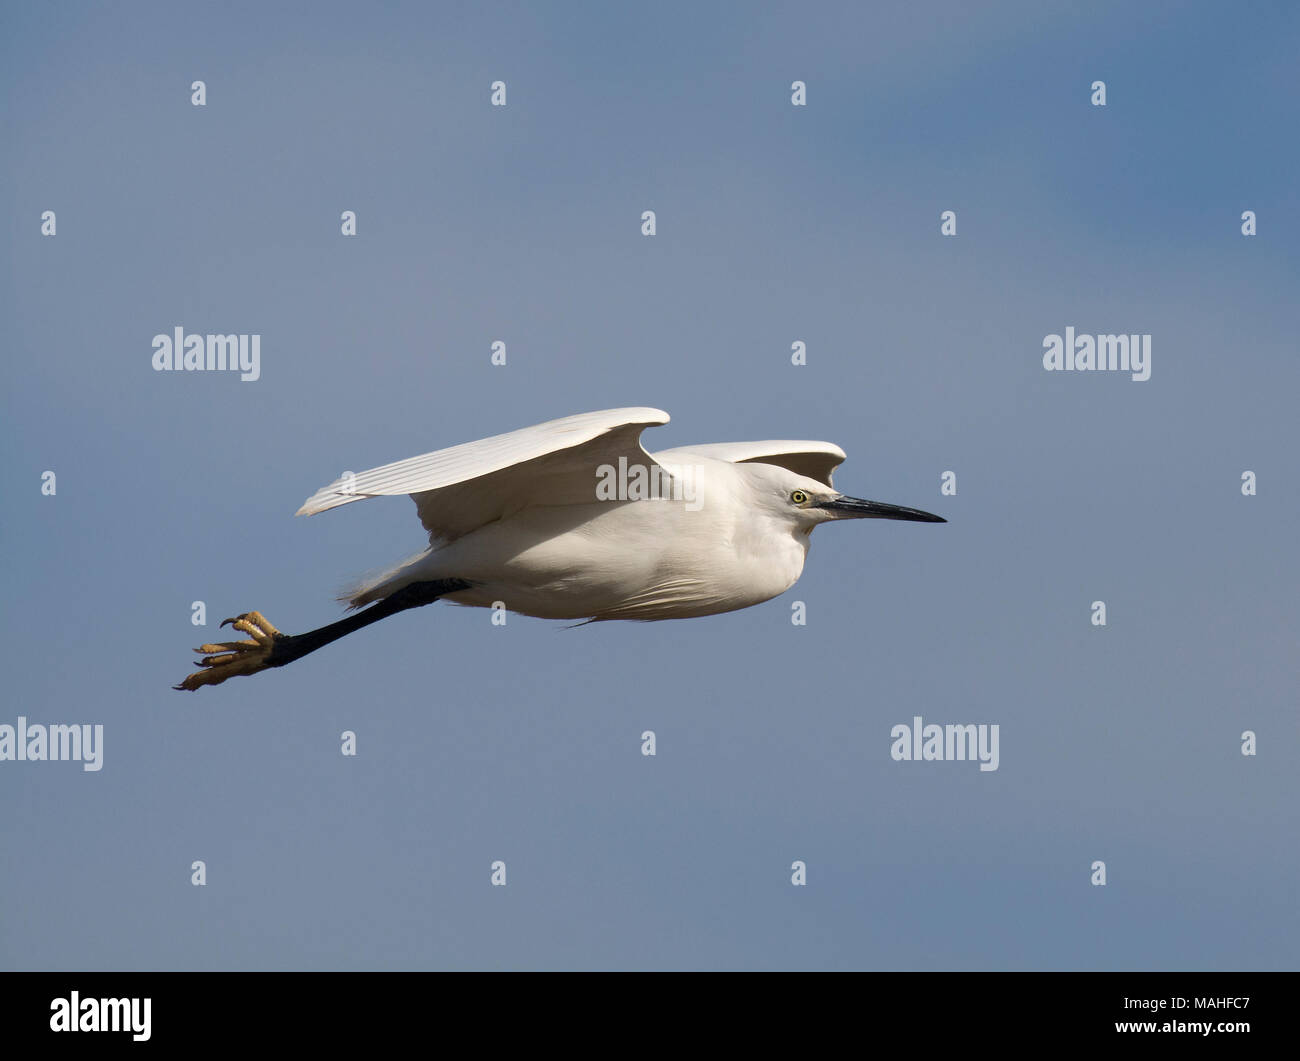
[[289, 647], [270, 648]]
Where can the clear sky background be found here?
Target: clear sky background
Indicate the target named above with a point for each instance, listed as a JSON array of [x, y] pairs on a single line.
[[775, 224]]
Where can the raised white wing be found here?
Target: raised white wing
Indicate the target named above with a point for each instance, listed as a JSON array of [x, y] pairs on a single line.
[[814, 459], [463, 487]]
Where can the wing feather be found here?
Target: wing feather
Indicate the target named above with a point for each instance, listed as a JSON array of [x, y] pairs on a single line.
[[817, 460], [463, 487]]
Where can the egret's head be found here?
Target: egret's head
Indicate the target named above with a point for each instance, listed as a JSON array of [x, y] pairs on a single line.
[[806, 502]]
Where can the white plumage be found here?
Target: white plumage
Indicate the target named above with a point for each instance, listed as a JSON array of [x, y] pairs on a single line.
[[517, 514], [528, 519]]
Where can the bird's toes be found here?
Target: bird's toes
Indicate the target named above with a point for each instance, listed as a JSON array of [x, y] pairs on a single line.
[[225, 646], [262, 622], [249, 628], [213, 670], [228, 659], [256, 625]]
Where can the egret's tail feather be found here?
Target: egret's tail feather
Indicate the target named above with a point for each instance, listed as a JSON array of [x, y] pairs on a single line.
[[379, 584]]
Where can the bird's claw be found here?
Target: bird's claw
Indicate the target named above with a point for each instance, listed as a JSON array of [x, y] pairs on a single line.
[[228, 659], [254, 623]]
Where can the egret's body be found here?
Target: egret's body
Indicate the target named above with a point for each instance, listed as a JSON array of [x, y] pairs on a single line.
[[522, 519], [621, 559]]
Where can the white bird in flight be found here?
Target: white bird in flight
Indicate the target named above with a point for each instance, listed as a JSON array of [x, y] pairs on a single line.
[[573, 519]]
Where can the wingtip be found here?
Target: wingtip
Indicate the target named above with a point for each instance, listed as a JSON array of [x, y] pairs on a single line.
[[635, 414]]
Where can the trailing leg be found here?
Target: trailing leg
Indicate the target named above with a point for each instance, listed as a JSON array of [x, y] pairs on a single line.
[[270, 648]]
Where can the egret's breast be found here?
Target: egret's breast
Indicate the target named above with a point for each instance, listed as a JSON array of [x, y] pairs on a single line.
[[640, 560]]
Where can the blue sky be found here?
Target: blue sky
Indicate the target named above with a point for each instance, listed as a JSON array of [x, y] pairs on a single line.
[[775, 224]]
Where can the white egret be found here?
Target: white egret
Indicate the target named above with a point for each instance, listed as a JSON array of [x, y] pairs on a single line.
[[573, 519]]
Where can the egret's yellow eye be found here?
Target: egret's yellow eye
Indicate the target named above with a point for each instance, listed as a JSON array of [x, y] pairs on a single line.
[[798, 497]]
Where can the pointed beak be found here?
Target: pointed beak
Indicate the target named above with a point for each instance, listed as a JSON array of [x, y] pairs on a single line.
[[855, 508]]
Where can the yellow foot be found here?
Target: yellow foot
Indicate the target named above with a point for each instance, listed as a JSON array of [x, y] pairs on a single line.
[[232, 658]]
